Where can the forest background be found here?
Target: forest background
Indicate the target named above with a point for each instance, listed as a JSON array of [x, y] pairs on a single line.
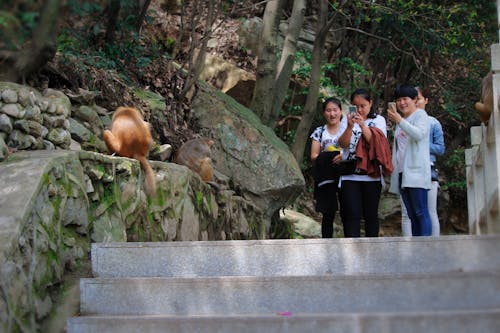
[[107, 47]]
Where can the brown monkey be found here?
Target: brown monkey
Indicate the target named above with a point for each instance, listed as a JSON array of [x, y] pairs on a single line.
[[485, 107], [206, 169], [195, 154], [130, 136]]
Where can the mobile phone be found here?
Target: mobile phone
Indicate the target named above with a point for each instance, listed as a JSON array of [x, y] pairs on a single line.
[[392, 105], [353, 110]]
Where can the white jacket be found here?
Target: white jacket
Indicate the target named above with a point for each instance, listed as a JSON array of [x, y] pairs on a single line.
[[416, 165]]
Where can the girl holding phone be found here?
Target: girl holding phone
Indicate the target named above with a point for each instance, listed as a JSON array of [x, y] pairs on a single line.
[[436, 148], [411, 159], [359, 192]]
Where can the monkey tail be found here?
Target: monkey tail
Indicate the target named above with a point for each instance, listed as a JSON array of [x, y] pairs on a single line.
[[150, 176]]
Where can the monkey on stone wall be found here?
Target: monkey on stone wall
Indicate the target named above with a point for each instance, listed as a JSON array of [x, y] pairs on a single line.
[[130, 136], [195, 154], [485, 107]]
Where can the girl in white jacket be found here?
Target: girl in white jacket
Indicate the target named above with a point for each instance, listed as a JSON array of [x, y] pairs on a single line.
[[410, 156]]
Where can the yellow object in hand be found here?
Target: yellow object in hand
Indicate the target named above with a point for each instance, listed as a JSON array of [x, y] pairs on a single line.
[[332, 148]]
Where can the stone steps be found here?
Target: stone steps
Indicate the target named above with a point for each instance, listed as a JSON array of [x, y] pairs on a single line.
[[427, 284], [309, 294], [415, 322], [346, 256]]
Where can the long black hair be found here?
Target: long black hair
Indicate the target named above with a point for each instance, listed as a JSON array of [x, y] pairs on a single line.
[[366, 95]]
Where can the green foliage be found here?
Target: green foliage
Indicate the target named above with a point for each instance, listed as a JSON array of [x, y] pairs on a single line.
[[353, 68], [327, 87], [288, 136], [303, 64], [355, 74], [169, 44], [143, 62], [446, 26], [356, 68], [67, 43], [199, 200], [29, 19], [405, 35], [451, 109], [84, 8], [46, 179], [12, 29], [454, 169], [456, 108], [127, 54]]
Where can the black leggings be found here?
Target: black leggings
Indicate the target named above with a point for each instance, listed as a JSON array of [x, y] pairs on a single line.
[[359, 200], [326, 204], [327, 225]]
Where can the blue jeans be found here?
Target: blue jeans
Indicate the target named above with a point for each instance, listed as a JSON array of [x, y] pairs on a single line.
[[415, 200]]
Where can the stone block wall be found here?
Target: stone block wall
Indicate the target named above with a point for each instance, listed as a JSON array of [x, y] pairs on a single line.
[[44, 234], [30, 120], [53, 204]]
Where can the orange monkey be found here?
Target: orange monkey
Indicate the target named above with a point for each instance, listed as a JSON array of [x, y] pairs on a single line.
[[130, 136], [485, 107]]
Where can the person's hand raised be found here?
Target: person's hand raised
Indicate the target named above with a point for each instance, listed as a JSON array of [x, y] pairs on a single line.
[[393, 114]]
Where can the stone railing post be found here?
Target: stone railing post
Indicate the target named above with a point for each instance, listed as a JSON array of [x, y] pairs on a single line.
[[482, 166]]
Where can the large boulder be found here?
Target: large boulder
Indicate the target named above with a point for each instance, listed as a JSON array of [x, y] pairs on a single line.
[[223, 74], [258, 163]]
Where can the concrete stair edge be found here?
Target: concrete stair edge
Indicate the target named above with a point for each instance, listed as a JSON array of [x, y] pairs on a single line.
[[225, 295], [425, 321], [296, 257]]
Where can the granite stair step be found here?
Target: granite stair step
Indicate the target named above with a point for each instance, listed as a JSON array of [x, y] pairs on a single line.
[[299, 294], [338, 256]]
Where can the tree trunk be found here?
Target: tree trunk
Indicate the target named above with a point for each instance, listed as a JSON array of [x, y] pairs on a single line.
[[143, 6], [311, 105], [42, 46], [113, 12], [198, 52], [365, 62], [285, 67], [266, 63]]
